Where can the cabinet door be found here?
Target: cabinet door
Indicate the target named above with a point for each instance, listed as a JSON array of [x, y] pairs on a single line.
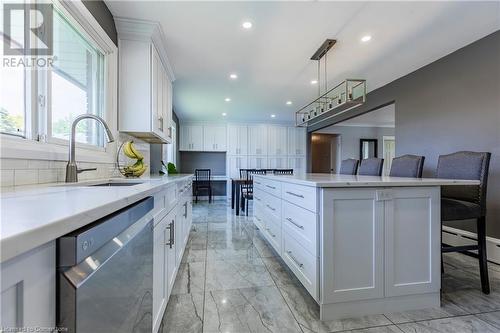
[[278, 163], [412, 241], [168, 89], [185, 138], [298, 164], [352, 247], [160, 292], [297, 138], [235, 163], [277, 140], [156, 85], [257, 162], [257, 140], [170, 254], [220, 137], [196, 137], [237, 140], [208, 138]]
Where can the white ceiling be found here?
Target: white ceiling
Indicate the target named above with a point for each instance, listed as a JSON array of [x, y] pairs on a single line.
[[383, 117], [206, 43]]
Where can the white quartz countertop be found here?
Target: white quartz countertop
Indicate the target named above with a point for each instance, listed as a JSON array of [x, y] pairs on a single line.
[[335, 180], [34, 215]]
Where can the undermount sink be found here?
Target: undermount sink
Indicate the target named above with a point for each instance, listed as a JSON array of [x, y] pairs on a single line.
[[117, 184]]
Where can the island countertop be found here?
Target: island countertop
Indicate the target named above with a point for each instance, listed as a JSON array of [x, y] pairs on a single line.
[[34, 215], [335, 180]]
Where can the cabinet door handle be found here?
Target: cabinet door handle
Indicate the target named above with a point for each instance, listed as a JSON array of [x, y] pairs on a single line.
[[295, 194], [160, 121], [271, 187], [271, 208], [295, 224], [186, 209], [270, 233], [294, 259], [171, 229]]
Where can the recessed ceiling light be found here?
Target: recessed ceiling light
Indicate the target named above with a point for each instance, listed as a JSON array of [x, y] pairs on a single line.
[[314, 81], [233, 76], [366, 38], [227, 99], [224, 114], [288, 102], [247, 25], [273, 116]]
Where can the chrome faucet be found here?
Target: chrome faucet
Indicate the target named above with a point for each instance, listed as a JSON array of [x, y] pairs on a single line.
[[71, 169]]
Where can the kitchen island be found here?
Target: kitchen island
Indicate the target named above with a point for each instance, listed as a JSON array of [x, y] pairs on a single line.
[[360, 245]]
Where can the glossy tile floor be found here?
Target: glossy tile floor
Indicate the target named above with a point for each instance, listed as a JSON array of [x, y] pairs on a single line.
[[230, 280]]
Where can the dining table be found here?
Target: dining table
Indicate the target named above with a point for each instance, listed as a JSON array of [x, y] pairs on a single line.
[[236, 184]]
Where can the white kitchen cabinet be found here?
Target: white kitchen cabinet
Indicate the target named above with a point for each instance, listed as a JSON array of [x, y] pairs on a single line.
[[171, 264], [234, 164], [277, 162], [237, 139], [277, 140], [257, 140], [412, 236], [191, 137], [297, 141], [145, 85], [297, 163], [28, 289], [160, 293], [257, 162], [214, 138]]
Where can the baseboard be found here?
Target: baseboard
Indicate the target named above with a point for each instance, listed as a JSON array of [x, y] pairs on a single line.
[[457, 237]]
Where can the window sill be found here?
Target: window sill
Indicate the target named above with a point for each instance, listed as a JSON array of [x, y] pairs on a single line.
[[20, 148]]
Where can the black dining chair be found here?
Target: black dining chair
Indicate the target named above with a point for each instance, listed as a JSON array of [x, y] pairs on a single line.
[[283, 171], [247, 194], [407, 166], [203, 182], [371, 167], [467, 202], [349, 166]]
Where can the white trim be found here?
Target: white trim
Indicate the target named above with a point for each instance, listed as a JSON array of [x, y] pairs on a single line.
[[458, 237], [364, 125]]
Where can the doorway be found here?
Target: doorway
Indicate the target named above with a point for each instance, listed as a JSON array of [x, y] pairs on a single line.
[[389, 152], [325, 152]]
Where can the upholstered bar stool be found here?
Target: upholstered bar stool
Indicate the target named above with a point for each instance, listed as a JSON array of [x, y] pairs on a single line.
[[467, 202], [349, 166], [407, 166], [371, 167]]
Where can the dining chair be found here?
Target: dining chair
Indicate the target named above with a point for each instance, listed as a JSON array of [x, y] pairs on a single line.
[[371, 167], [407, 166], [283, 171], [247, 194], [349, 166], [202, 182], [467, 202]]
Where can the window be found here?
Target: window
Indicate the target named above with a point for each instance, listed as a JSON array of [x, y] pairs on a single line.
[[40, 103]]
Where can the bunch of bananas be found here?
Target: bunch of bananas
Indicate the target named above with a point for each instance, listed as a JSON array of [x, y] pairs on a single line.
[[138, 168]]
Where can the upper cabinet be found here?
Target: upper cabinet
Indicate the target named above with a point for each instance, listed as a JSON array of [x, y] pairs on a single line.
[[237, 140], [297, 141], [191, 138], [145, 85], [277, 137], [257, 140], [214, 137]]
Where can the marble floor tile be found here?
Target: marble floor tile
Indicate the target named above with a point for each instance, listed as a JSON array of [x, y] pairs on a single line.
[[224, 251], [190, 278], [474, 301], [264, 248], [184, 314], [492, 318], [464, 324], [380, 329], [259, 309], [192, 255], [280, 273], [234, 274], [306, 312]]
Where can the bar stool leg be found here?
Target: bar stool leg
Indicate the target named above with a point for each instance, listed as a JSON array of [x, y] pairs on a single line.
[[483, 260]]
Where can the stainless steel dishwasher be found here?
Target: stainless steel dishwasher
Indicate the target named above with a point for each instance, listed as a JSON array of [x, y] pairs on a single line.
[[105, 273]]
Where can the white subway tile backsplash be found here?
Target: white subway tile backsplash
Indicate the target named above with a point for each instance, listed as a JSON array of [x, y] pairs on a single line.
[[38, 164], [47, 176], [13, 163], [25, 177], [6, 177]]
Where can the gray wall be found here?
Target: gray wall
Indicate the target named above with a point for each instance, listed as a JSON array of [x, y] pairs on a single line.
[[350, 135], [101, 13], [449, 105]]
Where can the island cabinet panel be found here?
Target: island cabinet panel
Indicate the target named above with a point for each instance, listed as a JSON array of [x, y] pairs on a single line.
[[28, 289], [352, 251], [412, 241]]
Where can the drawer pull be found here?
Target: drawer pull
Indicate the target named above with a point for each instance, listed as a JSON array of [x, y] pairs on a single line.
[[295, 194], [271, 187], [295, 224], [256, 198], [256, 182], [295, 260], [269, 231], [271, 208]]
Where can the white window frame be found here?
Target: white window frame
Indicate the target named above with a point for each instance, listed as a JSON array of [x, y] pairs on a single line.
[[36, 144]]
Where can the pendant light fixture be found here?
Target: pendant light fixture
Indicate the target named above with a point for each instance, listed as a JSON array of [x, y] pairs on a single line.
[[345, 96]]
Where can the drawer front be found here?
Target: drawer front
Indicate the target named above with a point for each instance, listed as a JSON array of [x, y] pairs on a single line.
[[258, 184], [170, 198], [302, 196], [258, 196], [272, 231], [302, 263], [258, 215], [270, 186], [302, 225], [272, 205]]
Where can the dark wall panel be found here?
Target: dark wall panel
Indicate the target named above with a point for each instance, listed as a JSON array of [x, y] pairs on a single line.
[[203, 160]]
